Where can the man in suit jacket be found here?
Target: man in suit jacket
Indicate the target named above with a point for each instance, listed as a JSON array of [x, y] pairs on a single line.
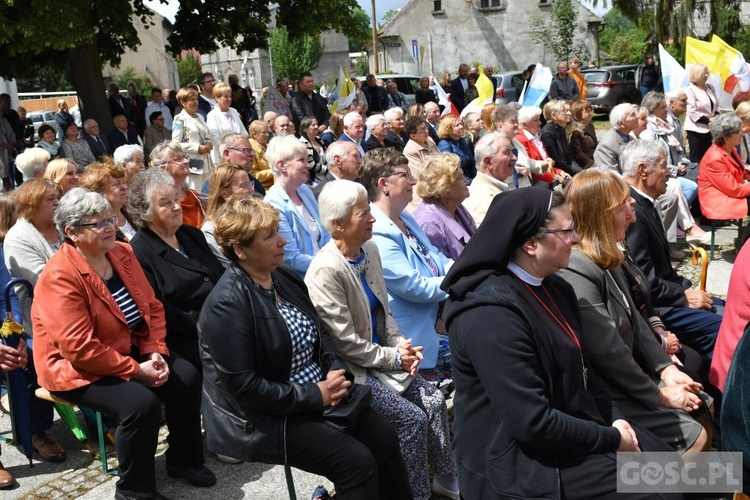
[[624, 120], [354, 131], [119, 105], [432, 115], [122, 135], [459, 86], [343, 163], [693, 315], [99, 144], [138, 108]]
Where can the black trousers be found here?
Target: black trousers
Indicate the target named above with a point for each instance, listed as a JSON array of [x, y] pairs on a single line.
[[698, 144], [363, 464], [595, 476], [137, 408]]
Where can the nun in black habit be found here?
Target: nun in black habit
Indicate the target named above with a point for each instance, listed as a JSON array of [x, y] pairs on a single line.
[[530, 420]]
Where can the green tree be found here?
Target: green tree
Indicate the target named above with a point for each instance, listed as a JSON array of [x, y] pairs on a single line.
[[362, 33], [672, 20], [557, 34], [142, 82], [46, 80], [387, 18], [188, 67], [292, 56], [622, 39], [80, 36], [362, 65]]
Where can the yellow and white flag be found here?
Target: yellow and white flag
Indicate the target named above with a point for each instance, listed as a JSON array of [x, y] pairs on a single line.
[[486, 93], [344, 91]]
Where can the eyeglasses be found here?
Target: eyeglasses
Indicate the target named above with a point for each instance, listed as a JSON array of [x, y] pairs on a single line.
[[208, 81], [404, 174], [567, 233], [101, 225], [247, 151], [178, 159]]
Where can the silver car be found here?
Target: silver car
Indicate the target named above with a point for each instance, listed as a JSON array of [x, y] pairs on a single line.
[[506, 86], [39, 117]]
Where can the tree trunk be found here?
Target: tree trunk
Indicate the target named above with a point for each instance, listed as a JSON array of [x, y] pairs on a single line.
[[86, 76]]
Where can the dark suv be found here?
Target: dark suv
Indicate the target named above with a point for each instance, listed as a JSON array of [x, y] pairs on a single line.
[[609, 86]]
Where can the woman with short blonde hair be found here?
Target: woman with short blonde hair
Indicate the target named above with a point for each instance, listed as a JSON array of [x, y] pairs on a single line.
[[63, 172], [108, 179], [259, 142], [702, 106], [451, 133], [223, 119], [300, 223], [190, 133], [443, 188]]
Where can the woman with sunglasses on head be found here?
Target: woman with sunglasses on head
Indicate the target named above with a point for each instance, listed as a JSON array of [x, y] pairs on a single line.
[[99, 342]]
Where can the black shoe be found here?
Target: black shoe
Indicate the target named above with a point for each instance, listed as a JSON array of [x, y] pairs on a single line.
[[197, 476], [157, 496]]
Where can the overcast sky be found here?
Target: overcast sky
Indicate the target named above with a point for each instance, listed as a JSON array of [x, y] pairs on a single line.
[[381, 6]]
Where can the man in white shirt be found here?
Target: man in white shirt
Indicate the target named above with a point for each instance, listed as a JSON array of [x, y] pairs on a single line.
[[157, 104]]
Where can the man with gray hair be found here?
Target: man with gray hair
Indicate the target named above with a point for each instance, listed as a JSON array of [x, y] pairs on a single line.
[[624, 120], [99, 144], [563, 87], [343, 163], [693, 315], [432, 115], [677, 105], [495, 161], [354, 131]]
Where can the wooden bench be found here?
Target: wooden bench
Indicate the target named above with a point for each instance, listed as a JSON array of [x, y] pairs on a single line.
[[44, 394]]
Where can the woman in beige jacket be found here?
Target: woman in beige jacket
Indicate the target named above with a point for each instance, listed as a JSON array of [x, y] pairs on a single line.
[[345, 281]]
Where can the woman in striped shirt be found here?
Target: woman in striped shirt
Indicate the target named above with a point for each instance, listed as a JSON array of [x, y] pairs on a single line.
[[100, 343]]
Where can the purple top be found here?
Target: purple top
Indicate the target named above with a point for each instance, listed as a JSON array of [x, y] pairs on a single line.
[[449, 235]]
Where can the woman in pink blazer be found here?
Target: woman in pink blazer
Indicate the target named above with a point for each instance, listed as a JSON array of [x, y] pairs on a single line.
[[702, 106]]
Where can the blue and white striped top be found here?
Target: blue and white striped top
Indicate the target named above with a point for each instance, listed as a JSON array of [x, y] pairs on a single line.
[[124, 300]]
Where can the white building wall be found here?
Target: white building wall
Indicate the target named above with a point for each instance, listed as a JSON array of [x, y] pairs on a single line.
[[464, 33]]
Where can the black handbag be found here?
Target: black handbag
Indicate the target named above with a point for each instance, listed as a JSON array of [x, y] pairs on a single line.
[[345, 415]]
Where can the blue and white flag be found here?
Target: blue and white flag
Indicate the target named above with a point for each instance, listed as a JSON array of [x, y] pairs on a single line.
[[673, 74], [538, 87]]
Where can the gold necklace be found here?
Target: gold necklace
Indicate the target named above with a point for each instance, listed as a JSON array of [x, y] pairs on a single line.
[[108, 271]]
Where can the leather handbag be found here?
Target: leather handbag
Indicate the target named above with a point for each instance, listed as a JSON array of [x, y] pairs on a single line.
[[396, 380], [345, 415]]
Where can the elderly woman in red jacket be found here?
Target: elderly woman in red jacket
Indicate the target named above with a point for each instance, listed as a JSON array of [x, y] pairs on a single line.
[[99, 342], [722, 180]]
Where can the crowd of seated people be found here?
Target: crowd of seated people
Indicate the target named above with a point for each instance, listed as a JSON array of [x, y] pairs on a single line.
[[536, 260]]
